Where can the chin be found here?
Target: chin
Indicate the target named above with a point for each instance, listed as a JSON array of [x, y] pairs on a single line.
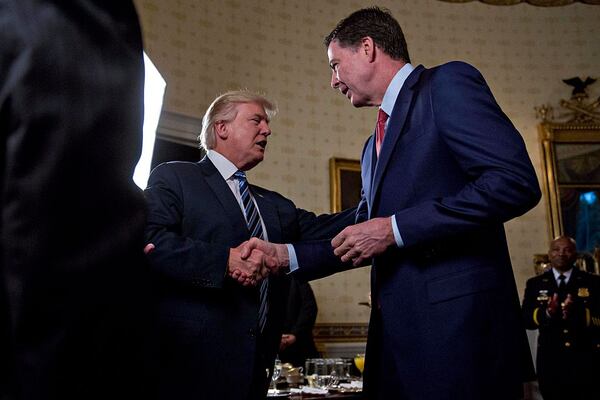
[[358, 103], [253, 163]]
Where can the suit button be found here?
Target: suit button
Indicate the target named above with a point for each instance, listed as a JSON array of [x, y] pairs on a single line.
[[567, 344], [252, 332]]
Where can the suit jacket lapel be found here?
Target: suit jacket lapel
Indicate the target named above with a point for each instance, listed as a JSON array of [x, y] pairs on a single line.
[[367, 169], [224, 195], [395, 126]]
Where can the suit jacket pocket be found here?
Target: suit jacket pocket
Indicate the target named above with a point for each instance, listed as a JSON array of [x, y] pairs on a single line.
[[463, 283]]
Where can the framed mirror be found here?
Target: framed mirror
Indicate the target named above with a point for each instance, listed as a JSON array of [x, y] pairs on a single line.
[[571, 172], [571, 160]]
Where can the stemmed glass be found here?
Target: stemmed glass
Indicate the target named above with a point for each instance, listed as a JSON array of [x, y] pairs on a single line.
[[359, 361], [276, 373]]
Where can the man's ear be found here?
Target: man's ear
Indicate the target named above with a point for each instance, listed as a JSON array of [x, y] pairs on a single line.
[[221, 129], [367, 45]]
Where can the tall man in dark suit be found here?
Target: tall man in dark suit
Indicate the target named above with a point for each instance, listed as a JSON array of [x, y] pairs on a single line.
[[441, 174], [215, 342], [563, 303], [74, 284]]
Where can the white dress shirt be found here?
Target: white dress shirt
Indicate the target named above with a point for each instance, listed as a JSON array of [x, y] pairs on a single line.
[[227, 169]]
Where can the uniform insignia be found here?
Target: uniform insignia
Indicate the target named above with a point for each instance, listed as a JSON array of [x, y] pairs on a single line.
[[583, 292], [542, 295]]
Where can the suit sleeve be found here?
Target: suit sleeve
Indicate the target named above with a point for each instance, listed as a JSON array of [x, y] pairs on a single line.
[[176, 257], [534, 314], [324, 226], [502, 183]]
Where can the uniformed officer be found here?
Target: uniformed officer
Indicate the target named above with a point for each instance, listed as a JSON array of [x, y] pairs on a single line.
[[563, 304]]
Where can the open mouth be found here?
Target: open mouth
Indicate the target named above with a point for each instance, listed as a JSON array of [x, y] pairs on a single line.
[[262, 143]]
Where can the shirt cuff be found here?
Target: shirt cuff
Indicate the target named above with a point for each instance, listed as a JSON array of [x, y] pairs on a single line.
[[293, 259], [397, 236]]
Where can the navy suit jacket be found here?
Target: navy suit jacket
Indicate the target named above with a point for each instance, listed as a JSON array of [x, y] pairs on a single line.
[[451, 171], [210, 344]]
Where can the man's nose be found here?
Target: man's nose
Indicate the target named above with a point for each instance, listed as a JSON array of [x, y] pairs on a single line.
[[265, 129], [335, 81]]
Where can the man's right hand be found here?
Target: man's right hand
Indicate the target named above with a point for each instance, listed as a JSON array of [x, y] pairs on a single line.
[[276, 255], [553, 305], [247, 270]]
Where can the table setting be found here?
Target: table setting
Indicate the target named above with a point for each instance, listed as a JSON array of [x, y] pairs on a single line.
[[319, 378]]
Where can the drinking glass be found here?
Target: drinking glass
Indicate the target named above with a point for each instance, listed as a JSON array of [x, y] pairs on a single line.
[[326, 382], [276, 373], [359, 361]]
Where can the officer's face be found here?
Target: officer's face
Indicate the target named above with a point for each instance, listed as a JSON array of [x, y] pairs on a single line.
[[562, 254]]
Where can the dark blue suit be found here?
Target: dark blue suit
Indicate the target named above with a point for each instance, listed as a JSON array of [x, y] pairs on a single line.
[[446, 317], [210, 344]]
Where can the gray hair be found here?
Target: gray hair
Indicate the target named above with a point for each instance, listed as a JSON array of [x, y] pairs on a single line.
[[224, 108]]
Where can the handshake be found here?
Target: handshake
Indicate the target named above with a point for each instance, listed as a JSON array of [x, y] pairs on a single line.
[[253, 260]]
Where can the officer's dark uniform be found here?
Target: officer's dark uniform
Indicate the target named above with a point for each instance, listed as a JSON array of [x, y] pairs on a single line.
[[568, 350]]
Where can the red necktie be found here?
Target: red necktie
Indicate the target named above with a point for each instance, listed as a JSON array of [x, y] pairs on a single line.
[[380, 129]]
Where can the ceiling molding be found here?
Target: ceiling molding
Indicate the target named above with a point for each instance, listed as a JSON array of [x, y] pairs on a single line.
[[537, 3]]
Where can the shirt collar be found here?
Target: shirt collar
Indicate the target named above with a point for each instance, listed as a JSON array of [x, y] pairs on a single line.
[[225, 167], [393, 90], [567, 274]]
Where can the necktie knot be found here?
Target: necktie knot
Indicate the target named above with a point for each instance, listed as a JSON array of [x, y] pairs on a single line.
[[381, 117], [240, 175], [562, 282]]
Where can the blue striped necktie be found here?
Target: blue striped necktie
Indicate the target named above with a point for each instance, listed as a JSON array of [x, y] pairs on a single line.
[[256, 230]]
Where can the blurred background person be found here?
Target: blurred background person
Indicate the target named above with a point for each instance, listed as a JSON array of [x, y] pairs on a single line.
[[74, 285], [562, 303], [297, 343]]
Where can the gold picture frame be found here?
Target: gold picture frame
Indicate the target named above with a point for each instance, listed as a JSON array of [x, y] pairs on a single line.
[[556, 137], [345, 183]]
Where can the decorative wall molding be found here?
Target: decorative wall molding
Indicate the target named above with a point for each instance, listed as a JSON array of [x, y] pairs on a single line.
[[340, 339], [537, 3], [340, 332]]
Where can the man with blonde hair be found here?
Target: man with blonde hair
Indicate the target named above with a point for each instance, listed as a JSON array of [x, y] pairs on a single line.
[[220, 322]]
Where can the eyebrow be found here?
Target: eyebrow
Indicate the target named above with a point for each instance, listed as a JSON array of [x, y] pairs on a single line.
[[261, 116]]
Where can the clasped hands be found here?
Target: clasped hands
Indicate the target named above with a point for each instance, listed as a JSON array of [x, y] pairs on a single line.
[[255, 259], [554, 306]]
